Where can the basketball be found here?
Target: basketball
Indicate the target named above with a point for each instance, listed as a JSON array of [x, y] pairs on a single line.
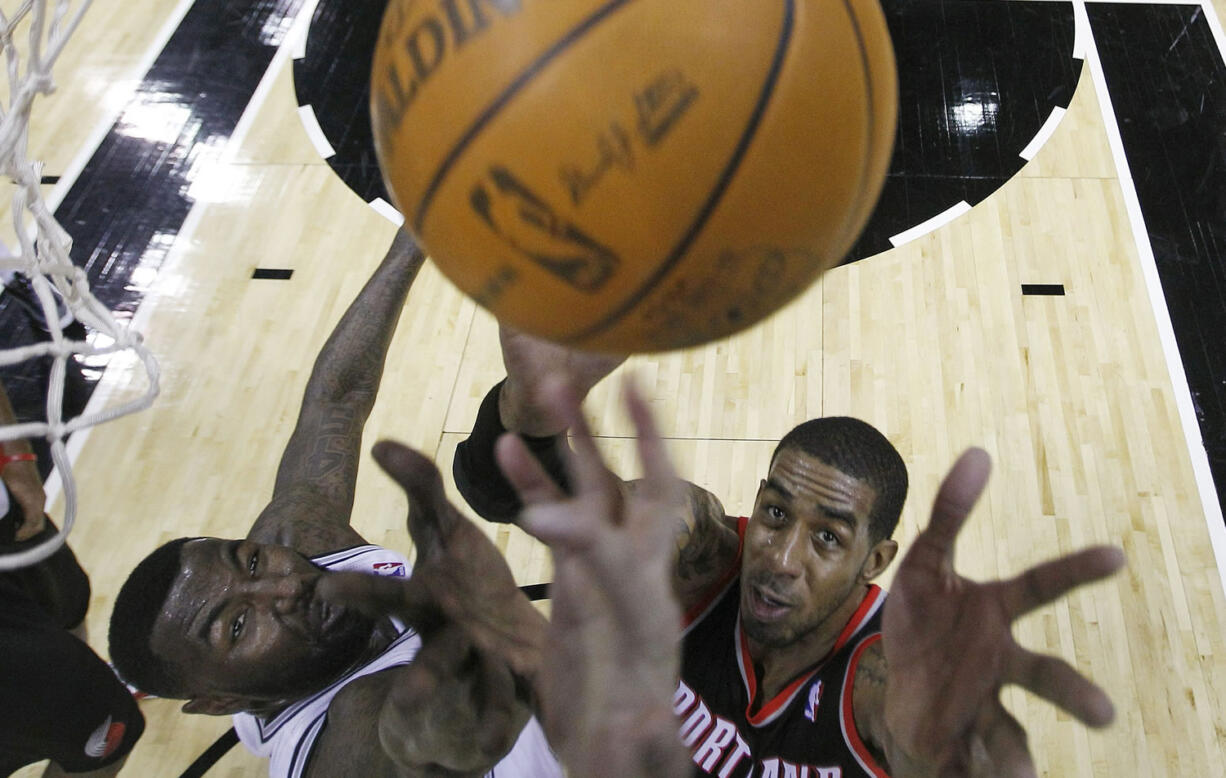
[[634, 176]]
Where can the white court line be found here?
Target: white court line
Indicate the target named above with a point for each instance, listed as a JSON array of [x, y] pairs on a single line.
[[925, 227], [1079, 39], [310, 123], [387, 211], [1045, 132], [1166, 332], [69, 175], [106, 385], [1215, 27], [295, 37]]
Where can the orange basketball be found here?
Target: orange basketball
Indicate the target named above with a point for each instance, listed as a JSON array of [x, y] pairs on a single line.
[[634, 175]]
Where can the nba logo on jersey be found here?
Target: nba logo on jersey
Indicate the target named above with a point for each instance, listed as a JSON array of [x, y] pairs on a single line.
[[390, 569], [815, 698]]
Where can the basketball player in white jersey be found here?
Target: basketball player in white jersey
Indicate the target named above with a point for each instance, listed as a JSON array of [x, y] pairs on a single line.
[[244, 627]]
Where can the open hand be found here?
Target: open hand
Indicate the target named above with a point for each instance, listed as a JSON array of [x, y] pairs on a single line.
[[612, 656], [453, 707], [949, 647], [459, 579]]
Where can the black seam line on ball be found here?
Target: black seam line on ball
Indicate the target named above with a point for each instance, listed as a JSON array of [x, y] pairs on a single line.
[[870, 128], [500, 102], [717, 193]]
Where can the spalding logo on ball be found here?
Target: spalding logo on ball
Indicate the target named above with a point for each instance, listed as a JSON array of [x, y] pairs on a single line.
[[634, 175]]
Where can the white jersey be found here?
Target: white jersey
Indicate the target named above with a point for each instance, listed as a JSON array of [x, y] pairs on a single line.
[[287, 738]]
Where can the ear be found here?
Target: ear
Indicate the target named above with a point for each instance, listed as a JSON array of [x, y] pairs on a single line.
[[216, 705], [879, 558]]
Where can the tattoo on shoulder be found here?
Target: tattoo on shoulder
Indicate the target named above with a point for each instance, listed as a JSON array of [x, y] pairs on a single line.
[[868, 700], [871, 669], [705, 545]]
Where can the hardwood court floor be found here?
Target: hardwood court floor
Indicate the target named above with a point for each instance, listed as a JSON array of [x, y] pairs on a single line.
[[931, 342]]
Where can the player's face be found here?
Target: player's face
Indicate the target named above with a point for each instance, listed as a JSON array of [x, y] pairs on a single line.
[[243, 619], [806, 550]]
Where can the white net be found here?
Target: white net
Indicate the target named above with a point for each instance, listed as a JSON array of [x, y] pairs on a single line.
[[42, 254]]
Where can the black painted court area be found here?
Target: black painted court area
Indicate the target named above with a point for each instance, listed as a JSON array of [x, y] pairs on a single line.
[[1168, 86], [977, 80], [130, 201]]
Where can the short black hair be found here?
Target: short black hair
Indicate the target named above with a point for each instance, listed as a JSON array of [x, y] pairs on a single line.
[[858, 449], [136, 609]]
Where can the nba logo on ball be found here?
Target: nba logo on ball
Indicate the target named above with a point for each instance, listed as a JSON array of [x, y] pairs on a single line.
[[634, 175]]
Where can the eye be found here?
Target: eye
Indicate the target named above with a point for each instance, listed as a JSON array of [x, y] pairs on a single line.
[[775, 513], [828, 538], [253, 562], [236, 629]]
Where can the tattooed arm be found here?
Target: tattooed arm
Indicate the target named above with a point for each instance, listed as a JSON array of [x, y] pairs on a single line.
[[706, 544], [313, 495]]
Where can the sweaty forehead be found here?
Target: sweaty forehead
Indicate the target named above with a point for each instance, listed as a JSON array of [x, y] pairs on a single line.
[[201, 578], [808, 479]]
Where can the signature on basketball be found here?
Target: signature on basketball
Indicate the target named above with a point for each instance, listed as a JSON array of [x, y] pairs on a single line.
[[657, 107], [740, 284]]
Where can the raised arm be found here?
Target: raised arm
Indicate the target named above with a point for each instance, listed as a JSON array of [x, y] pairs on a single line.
[[706, 538], [612, 655], [463, 701], [926, 697], [313, 495]]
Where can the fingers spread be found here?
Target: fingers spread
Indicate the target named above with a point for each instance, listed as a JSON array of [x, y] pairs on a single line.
[[660, 480], [561, 526], [955, 499], [584, 464], [1051, 580], [1059, 683], [430, 513], [525, 473], [377, 596]]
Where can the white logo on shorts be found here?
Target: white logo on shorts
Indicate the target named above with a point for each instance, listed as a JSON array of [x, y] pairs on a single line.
[[96, 746]]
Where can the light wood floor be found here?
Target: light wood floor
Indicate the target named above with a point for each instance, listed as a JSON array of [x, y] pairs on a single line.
[[932, 342]]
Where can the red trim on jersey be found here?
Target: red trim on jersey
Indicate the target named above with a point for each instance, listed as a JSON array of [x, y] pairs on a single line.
[[771, 708], [851, 734], [700, 608]]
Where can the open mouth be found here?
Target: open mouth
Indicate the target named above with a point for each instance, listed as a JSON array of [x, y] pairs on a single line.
[[765, 605]]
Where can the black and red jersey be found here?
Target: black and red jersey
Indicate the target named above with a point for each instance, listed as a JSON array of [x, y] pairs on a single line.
[[806, 731]]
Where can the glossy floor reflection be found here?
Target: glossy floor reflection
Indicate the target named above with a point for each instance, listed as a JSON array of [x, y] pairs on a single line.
[[1168, 88], [128, 204]]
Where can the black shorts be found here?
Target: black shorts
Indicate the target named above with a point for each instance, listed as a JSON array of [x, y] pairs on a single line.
[[58, 699]]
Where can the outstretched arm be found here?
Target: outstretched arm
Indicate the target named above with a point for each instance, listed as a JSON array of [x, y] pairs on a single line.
[[706, 539], [313, 494], [463, 701], [927, 696], [612, 656]]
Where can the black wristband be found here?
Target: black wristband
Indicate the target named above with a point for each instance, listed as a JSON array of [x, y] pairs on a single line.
[[476, 470]]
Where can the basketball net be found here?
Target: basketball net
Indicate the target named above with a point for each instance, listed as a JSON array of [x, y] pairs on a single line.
[[42, 255]]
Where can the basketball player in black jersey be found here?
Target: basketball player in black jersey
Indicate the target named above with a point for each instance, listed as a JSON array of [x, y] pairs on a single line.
[[794, 663]]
